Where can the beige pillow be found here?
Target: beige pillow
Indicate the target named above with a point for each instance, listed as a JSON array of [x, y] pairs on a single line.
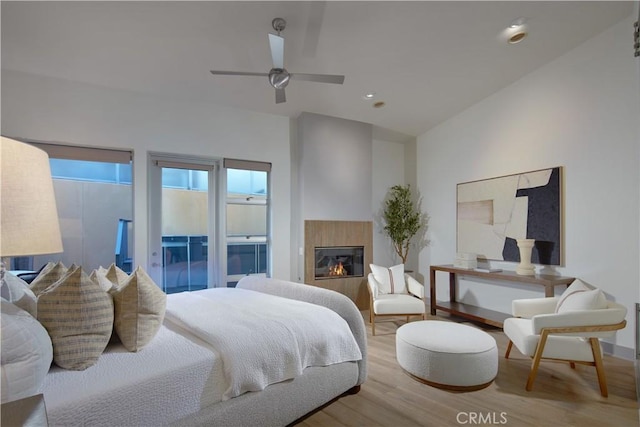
[[139, 310], [107, 278], [50, 274], [78, 315], [17, 291]]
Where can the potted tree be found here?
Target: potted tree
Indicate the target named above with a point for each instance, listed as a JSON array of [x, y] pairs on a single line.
[[402, 219]]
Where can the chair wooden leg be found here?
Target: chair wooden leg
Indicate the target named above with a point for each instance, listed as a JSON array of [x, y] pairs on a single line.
[[508, 352], [597, 359], [536, 360], [408, 319], [573, 365], [373, 323]]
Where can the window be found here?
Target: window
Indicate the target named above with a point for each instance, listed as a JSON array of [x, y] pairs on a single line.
[[247, 219], [94, 197]]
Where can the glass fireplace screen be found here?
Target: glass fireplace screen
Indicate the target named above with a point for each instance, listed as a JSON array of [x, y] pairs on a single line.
[[338, 262]]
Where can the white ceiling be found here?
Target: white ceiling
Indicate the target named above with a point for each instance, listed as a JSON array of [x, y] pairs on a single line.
[[426, 60]]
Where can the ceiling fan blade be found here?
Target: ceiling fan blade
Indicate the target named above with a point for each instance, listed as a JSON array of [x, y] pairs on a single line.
[[277, 50], [280, 96], [321, 78], [237, 73]]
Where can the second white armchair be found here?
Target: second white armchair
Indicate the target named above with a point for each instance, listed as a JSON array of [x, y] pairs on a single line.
[[567, 328]]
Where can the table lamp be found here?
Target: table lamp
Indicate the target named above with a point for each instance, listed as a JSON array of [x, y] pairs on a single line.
[[28, 214]]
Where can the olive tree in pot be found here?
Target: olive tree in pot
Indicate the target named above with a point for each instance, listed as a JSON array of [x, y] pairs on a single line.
[[403, 220]]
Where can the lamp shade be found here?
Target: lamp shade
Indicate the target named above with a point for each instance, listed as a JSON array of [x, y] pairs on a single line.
[[29, 216]]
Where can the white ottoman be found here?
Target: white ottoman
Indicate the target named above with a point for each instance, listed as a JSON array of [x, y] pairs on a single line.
[[447, 355]]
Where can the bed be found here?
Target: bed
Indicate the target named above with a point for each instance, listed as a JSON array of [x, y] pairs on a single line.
[[185, 375]]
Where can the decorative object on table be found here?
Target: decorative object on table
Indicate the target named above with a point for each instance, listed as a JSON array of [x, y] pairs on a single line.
[[493, 213], [466, 260], [29, 224], [525, 267], [403, 220]]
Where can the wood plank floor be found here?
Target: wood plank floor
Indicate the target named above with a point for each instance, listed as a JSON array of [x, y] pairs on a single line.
[[560, 396]]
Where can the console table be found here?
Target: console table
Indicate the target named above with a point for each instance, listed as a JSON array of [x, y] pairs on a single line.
[[479, 314]]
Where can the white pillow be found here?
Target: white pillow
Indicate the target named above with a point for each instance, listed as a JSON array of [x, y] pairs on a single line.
[[580, 296], [17, 291], [26, 353], [391, 279]]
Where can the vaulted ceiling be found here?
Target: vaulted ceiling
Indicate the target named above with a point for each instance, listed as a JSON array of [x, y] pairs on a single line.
[[427, 61]]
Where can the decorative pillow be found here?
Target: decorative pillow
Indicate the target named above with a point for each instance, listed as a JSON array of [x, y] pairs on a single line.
[[78, 315], [17, 291], [580, 296], [50, 274], [26, 353], [139, 310], [107, 278], [391, 279]]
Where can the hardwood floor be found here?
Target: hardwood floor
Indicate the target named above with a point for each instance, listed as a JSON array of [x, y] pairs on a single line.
[[561, 396]]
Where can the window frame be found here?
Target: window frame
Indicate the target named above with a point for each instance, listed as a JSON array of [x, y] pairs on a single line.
[[247, 199]]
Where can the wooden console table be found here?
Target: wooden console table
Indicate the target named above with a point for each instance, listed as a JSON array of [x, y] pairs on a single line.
[[479, 314]]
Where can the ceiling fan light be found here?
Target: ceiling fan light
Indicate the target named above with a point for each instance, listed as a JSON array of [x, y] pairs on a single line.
[[279, 78]]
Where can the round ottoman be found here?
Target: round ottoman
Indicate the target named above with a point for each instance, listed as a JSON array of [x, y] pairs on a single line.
[[447, 355]]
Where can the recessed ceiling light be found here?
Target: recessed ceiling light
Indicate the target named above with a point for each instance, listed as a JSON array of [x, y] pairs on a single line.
[[517, 37], [378, 104], [516, 31], [369, 95]]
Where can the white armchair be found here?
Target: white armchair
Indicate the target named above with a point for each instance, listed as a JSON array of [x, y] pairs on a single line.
[[542, 330], [403, 299]]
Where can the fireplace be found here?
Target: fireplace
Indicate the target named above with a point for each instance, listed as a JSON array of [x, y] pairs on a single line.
[[338, 262], [329, 243]]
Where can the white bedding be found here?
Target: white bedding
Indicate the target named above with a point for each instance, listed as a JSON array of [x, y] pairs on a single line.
[[172, 377], [236, 322]]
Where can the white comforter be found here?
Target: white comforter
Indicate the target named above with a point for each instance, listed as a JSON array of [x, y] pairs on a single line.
[[263, 339]]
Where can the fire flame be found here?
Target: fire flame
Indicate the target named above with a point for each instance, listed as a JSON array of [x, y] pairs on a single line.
[[337, 270]]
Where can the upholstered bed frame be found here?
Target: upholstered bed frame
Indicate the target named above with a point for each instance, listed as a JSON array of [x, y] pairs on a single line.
[[284, 403]]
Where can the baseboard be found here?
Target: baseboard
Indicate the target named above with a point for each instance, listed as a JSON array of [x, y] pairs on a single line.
[[618, 351]]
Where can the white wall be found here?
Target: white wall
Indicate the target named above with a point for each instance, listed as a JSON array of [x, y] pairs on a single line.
[[333, 173], [47, 109], [581, 112], [335, 168], [388, 170]]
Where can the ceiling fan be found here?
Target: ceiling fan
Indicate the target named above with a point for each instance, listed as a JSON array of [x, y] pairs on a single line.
[[278, 76]]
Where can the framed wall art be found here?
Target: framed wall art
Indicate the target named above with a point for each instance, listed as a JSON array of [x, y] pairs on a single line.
[[493, 213]]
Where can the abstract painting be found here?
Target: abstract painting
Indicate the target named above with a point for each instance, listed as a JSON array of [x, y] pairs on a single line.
[[493, 213]]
